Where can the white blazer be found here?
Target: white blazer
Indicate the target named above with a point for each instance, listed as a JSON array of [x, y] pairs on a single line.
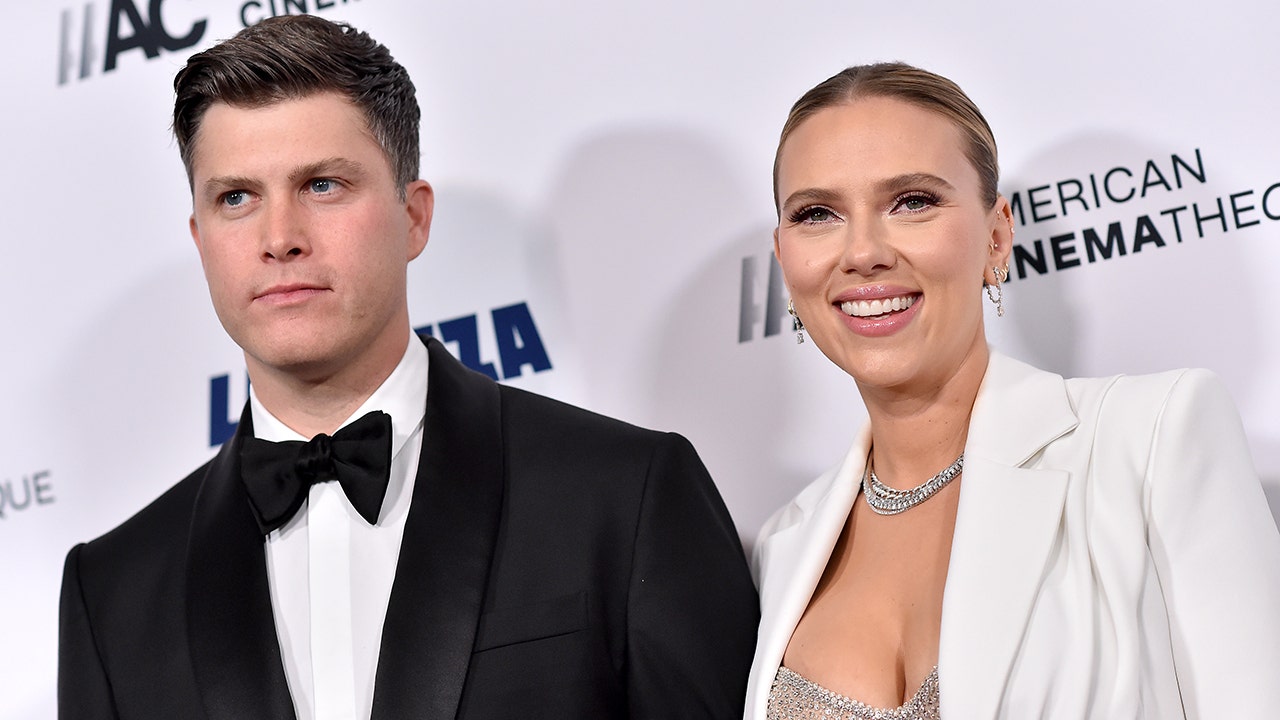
[[1113, 557]]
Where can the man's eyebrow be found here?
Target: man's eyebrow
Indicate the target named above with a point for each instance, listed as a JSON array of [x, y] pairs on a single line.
[[329, 166], [215, 186]]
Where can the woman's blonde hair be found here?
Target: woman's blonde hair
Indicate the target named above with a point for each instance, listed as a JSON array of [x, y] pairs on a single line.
[[909, 84]]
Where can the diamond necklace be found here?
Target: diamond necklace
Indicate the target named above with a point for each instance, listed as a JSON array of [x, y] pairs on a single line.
[[884, 500]]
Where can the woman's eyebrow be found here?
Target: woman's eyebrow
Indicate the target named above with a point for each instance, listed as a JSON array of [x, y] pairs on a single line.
[[907, 181]]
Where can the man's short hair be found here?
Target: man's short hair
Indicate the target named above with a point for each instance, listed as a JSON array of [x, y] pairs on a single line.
[[290, 57]]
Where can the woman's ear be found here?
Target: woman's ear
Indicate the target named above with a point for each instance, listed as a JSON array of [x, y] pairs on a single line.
[[1001, 247]]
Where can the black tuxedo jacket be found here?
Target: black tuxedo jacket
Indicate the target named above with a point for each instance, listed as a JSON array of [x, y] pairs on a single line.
[[555, 563]]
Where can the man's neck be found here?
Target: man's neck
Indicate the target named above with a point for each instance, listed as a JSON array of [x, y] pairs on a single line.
[[312, 402]]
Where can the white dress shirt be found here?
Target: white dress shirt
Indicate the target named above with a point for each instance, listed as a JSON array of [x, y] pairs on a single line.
[[330, 572]]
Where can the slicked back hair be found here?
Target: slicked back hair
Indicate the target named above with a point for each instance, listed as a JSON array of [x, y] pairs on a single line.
[[291, 57], [912, 85]]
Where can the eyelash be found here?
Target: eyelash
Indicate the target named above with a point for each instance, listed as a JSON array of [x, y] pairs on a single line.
[[799, 214], [927, 197], [226, 196], [333, 184]]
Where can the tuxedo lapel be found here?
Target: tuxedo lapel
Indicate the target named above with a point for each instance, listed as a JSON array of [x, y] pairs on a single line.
[[235, 653], [1006, 525], [793, 558], [449, 537]]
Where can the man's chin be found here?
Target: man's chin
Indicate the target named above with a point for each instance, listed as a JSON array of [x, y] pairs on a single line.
[[298, 364]]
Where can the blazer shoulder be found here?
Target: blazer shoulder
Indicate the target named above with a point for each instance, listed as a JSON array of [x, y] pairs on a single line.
[[1128, 397], [557, 422], [1147, 423], [558, 448], [157, 530]]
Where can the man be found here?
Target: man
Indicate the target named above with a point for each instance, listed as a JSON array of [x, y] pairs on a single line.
[[524, 558]]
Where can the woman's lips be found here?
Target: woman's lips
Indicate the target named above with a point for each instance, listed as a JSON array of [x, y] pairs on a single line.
[[880, 316], [879, 306]]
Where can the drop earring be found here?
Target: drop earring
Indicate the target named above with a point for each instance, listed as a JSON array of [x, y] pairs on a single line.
[[796, 323], [995, 293]]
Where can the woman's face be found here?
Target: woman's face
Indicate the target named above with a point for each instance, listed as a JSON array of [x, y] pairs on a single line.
[[884, 242]]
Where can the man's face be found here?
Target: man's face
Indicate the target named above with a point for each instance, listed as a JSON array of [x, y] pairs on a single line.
[[303, 236]]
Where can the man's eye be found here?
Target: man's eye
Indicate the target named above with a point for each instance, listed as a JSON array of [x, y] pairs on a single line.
[[322, 186], [235, 198]]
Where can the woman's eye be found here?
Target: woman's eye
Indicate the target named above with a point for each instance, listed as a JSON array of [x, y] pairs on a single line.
[[915, 202], [813, 215]]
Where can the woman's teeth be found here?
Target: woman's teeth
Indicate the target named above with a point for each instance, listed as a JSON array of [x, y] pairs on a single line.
[[871, 308]]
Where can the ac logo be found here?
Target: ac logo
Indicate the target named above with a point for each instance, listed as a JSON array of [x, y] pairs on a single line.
[[127, 30]]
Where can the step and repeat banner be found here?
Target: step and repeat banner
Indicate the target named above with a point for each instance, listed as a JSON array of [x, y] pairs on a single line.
[[603, 225]]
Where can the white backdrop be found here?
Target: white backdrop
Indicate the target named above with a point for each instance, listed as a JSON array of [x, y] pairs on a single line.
[[608, 167]]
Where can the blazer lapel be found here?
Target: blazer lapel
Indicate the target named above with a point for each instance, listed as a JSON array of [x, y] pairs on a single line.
[[793, 558], [449, 537], [235, 654], [1008, 518]]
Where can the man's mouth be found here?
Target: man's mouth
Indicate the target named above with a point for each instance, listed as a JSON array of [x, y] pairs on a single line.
[[289, 292]]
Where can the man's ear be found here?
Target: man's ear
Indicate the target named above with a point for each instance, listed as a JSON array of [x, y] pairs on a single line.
[[195, 234], [420, 203]]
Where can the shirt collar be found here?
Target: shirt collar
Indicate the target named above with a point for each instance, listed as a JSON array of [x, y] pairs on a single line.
[[403, 396]]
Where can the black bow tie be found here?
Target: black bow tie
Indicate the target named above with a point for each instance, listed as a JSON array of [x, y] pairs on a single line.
[[278, 475]]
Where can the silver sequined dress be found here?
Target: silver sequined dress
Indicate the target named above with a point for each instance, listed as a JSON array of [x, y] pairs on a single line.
[[793, 697]]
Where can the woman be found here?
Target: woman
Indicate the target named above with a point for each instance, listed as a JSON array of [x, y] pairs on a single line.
[[1092, 548]]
